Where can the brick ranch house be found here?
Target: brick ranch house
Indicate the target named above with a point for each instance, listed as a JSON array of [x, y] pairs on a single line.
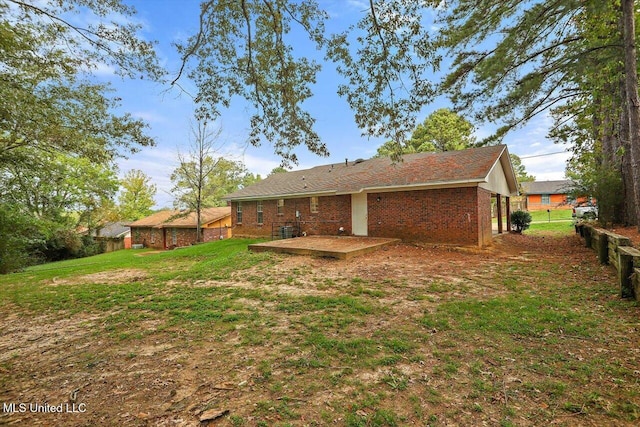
[[172, 228], [547, 194], [430, 197]]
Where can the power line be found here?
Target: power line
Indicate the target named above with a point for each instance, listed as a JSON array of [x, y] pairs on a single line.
[[542, 155]]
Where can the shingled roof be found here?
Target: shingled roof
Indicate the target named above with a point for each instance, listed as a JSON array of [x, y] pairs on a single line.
[[548, 187], [114, 230], [415, 171], [178, 219]]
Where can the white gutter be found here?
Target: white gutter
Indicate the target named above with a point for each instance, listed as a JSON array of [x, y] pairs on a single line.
[[413, 187], [284, 196], [378, 189]]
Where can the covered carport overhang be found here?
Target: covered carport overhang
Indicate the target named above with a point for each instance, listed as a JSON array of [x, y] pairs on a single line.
[[503, 184]]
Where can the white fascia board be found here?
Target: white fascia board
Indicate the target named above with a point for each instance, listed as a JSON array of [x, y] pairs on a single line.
[[414, 187], [282, 196], [377, 189]]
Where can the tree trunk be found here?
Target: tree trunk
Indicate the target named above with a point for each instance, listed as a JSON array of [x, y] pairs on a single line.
[[633, 101], [198, 214], [628, 216]]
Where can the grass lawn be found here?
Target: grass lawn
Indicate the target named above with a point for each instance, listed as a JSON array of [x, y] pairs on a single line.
[[554, 215], [530, 331], [556, 222]]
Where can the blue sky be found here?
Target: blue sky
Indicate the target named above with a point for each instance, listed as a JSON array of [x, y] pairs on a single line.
[[169, 112]]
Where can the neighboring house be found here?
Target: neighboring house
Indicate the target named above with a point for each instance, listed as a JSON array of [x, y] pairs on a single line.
[[432, 197], [113, 235], [547, 194], [172, 228]]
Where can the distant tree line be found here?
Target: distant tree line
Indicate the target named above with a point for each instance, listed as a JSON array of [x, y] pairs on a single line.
[[60, 131]]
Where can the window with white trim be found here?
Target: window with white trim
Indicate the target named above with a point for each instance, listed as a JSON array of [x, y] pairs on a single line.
[[239, 213], [259, 210]]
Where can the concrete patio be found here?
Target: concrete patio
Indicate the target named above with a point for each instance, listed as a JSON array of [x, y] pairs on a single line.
[[341, 247]]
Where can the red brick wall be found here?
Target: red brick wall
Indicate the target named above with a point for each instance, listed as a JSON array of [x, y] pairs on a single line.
[[184, 237], [556, 201], [147, 236], [214, 233], [164, 236], [452, 215], [441, 215], [333, 212], [485, 227], [187, 236]]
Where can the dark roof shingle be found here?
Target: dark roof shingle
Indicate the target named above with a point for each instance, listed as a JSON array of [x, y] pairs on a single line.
[[178, 219], [472, 165], [112, 230], [547, 187]]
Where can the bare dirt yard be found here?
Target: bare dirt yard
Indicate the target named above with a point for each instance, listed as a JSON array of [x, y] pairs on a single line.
[[529, 331]]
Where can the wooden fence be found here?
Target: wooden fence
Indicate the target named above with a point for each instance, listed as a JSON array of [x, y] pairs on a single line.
[[618, 251], [110, 244]]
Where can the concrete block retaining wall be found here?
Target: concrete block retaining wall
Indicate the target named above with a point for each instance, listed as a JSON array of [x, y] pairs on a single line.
[[617, 251]]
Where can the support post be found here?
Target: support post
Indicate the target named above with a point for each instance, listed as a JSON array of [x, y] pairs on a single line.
[[499, 212], [626, 255], [587, 236], [602, 247], [508, 209]]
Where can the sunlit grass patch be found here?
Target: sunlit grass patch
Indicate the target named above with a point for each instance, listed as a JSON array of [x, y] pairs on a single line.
[[516, 314]]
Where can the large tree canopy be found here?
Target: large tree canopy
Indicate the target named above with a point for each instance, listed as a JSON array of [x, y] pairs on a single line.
[[245, 48], [224, 177], [442, 130], [501, 62], [55, 185], [47, 102], [137, 195], [53, 37], [60, 130], [573, 59], [387, 60]]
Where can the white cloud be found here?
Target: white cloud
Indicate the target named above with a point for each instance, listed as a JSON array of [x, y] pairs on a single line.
[[157, 164], [99, 69], [358, 4], [148, 116], [259, 165], [546, 166]]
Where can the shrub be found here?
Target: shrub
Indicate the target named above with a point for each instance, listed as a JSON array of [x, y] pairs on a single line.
[[90, 247], [66, 243], [63, 244], [17, 233], [520, 221]]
